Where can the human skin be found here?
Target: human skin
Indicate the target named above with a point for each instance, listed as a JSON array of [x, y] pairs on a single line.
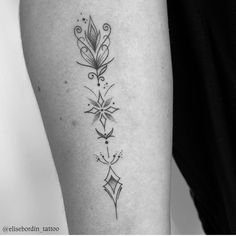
[[141, 72]]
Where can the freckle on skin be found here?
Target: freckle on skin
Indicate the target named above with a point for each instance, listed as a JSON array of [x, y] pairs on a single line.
[[39, 89], [74, 123], [60, 118]]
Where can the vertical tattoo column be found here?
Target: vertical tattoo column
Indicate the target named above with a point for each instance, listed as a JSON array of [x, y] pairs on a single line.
[[93, 46]]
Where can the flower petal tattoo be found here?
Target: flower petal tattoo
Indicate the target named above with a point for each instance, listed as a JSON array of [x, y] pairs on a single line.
[[93, 47]]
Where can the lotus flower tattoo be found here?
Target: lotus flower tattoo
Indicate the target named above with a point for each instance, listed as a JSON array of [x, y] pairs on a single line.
[[94, 49]]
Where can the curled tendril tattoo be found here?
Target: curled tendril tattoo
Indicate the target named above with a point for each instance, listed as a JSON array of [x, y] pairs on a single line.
[[93, 46], [94, 49]]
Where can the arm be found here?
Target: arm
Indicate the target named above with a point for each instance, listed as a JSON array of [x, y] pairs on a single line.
[[111, 139]]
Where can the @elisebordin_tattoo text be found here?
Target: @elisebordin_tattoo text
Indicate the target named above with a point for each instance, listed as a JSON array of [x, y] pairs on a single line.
[[93, 47]]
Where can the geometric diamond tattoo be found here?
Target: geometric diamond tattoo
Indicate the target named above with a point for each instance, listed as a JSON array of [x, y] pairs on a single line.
[[113, 187]]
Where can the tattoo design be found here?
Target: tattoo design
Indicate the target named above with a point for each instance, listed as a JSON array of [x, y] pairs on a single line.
[[94, 49], [93, 46]]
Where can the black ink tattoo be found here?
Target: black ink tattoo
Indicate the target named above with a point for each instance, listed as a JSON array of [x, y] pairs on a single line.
[[102, 110], [94, 54], [105, 136], [94, 49]]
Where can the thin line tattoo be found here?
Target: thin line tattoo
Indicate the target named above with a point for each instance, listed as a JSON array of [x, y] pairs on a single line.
[[108, 89], [94, 46], [91, 91]]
